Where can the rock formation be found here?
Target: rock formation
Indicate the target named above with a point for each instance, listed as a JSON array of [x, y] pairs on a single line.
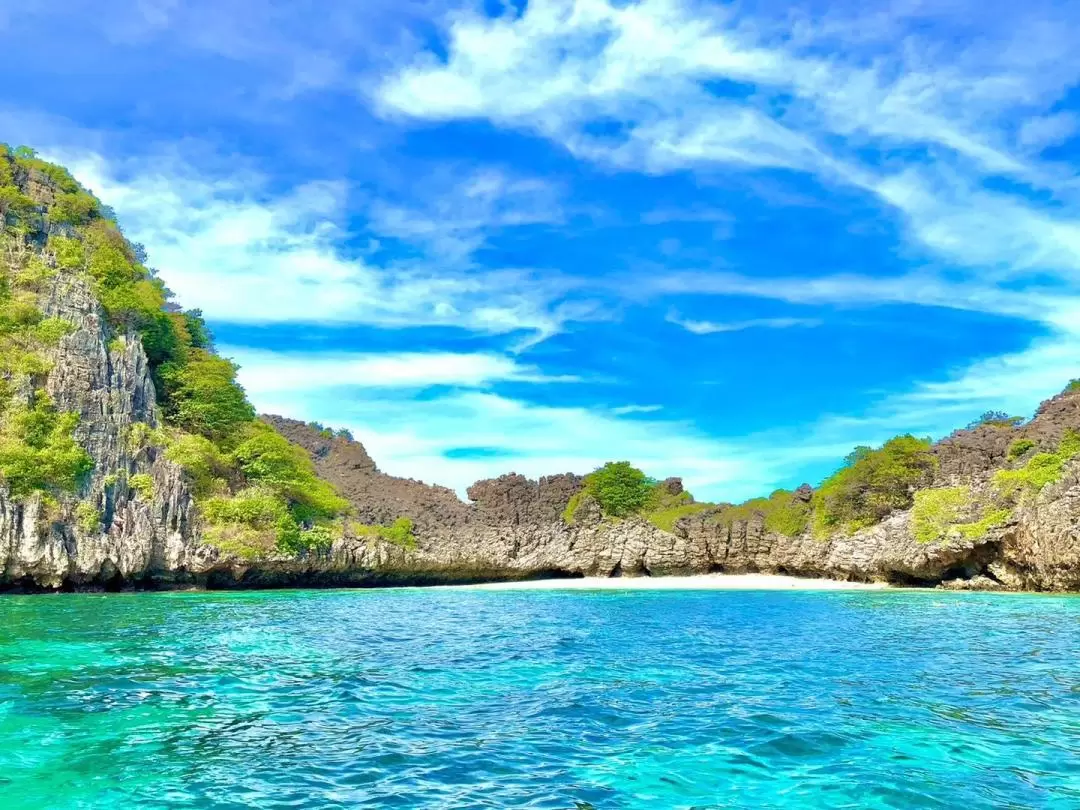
[[133, 520]]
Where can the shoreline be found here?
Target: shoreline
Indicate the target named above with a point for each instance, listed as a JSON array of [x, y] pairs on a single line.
[[695, 582]]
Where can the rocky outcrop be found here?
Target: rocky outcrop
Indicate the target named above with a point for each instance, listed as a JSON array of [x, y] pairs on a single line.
[[111, 534], [514, 528], [136, 538]]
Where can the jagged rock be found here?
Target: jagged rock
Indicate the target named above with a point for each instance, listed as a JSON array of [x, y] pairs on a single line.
[[513, 528], [672, 486]]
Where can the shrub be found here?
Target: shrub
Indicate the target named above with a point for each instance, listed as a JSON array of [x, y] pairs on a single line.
[[203, 396], [939, 512], [14, 205], [569, 514], [38, 451], [1019, 448], [936, 510], [51, 330], [620, 489], [201, 460], [663, 509], [1041, 469], [268, 459], [1073, 385], [73, 208], [87, 517], [399, 533], [873, 485], [997, 419], [250, 524], [142, 484], [782, 512]]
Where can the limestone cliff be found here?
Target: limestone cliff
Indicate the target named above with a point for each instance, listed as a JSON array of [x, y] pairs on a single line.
[[131, 517], [136, 538]]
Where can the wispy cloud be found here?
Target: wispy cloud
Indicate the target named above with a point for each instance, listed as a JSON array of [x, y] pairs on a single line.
[[264, 372], [215, 240], [624, 410], [711, 327]]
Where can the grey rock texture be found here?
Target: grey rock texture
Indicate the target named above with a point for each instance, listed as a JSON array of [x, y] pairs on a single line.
[[45, 546], [512, 528]]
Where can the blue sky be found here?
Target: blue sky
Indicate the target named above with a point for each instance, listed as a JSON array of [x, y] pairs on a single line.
[[724, 241]]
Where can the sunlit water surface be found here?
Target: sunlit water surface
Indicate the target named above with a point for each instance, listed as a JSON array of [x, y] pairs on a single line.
[[466, 699]]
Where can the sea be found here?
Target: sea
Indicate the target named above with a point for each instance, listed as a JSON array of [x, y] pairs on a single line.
[[571, 699]]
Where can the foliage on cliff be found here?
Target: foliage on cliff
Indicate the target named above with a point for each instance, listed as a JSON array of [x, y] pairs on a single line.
[[257, 492], [945, 511], [622, 490], [1039, 470], [872, 484], [38, 451], [782, 512]]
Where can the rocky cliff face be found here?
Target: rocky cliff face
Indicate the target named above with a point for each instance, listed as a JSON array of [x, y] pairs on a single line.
[[136, 538], [133, 521], [512, 528]]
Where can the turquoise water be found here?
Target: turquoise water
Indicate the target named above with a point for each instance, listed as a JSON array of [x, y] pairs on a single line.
[[471, 699]]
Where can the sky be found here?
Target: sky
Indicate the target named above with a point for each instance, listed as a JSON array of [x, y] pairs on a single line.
[[726, 241]]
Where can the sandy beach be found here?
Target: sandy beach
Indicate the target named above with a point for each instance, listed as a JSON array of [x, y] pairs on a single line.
[[701, 582]]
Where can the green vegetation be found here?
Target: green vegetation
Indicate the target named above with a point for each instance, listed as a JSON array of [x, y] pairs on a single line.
[[142, 484], [257, 493], [997, 419], [399, 533], [937, 513], [783, 513], [872, 484], [663, 510], [203, 397], [1040, 470], [87, 517], [38, 451], [620, 488], [1019, 448], [1073, 386]]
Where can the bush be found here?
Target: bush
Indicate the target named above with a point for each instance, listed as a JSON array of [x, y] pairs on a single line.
[[782, 512], [399, 533], [250, 524], [1073, 386], [142, 484], [203, 397], [937, 513], [201, 460], [997, 419], [268, 459], [38, 451], [876, 483], [620, 488], [87, 517], [1040, 470], [1019, 448], [14, 205]]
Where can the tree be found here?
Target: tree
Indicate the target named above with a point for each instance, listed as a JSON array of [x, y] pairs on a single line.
[[874, 484], [202, 395], [620, 488], [997, 418]]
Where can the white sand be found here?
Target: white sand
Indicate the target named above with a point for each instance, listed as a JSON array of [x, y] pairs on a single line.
[[702, 582]]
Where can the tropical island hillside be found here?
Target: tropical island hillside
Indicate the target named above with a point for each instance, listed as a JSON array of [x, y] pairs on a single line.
[[130, 457]]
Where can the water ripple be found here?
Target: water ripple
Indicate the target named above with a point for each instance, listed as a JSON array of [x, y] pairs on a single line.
[[574, 701]]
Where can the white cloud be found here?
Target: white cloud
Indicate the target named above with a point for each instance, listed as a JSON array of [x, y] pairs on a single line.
[[847, 96], [264, 372], [243, 255], [712, 327], [623, 410]]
